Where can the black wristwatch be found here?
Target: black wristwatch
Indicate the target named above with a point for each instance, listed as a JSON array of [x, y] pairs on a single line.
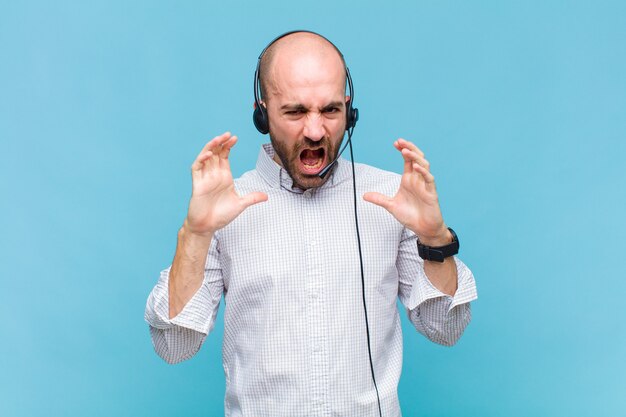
[[439, 253]]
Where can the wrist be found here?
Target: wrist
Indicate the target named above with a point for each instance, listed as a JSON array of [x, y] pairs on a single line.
[[189, 233], [441, 238], [429, 252]]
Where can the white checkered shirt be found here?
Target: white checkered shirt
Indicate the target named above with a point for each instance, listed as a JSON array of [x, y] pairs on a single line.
[[294, 337]]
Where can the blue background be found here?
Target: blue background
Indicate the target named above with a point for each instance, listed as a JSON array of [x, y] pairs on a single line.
[[519, 106]]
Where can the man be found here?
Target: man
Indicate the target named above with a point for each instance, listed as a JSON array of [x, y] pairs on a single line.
[[280, 244]]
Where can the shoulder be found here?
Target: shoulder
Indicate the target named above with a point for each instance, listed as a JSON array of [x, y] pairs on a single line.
[[249, 181], [376, 179]]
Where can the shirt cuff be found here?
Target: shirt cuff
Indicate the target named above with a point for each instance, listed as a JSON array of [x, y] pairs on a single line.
[[424, 290], [194, 316]]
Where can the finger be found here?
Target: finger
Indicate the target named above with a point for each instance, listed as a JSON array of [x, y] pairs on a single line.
[[216, 142], [227, 146], [408, 163], [198, 164], [378, 199], [415, 157], [408, 166], [203, 164], [429, 179], [253, 198], [405, 144], [412, 158], [225, 152], [410, 145]]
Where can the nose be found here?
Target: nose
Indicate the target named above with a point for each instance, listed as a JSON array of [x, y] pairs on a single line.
[[314, 127]]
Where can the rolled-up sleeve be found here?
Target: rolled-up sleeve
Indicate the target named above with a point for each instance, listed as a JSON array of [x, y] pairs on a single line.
[[440, 317], [179, 338]]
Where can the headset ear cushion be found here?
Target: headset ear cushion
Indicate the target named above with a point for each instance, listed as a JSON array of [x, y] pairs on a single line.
[[353, 117], [259, 118]]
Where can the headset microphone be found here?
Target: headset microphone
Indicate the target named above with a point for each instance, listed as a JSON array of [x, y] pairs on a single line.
[[325, 171]]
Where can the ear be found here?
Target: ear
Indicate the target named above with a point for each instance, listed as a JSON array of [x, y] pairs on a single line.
[[347, 100], [261, 102]]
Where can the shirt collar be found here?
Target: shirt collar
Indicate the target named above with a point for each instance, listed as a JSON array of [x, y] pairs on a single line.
[[277, 177]]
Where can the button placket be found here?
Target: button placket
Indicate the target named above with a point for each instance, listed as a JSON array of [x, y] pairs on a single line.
[[315, 300]]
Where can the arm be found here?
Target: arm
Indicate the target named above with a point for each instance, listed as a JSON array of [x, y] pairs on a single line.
[[187, 271], [416, 206], [214, 204], [181, 309], [440, 317], [179, 338]]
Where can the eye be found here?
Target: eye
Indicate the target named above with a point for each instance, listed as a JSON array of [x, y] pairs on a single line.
[[331, 110], [295, 112]]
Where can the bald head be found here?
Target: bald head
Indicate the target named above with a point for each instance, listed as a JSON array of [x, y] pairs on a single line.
[[299, 50]]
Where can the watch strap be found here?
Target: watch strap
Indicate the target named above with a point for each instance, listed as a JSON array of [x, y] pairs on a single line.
[[439, 253]]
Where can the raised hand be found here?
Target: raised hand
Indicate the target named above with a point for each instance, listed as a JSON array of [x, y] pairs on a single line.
[[416, 204], [214, 202]]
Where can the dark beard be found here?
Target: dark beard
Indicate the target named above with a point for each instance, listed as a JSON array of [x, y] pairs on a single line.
[[291, 157]]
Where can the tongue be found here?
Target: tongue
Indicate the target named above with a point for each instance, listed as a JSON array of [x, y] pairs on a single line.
[[310, 157]]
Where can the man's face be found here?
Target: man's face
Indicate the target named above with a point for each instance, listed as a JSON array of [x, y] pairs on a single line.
[[306, 107]]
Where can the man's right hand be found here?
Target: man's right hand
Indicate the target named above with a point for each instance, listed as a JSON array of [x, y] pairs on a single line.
[[214, 202]]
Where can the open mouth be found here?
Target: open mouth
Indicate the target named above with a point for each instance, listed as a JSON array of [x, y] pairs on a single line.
[[312, 160]]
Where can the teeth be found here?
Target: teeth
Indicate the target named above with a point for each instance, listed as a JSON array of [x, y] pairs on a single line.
[[314, 165], [311, 159]]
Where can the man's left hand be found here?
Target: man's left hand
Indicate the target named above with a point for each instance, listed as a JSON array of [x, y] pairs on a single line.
[[416, 204]]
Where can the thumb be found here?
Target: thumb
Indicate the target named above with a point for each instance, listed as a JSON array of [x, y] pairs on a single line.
[[253, 198], [378, 199]]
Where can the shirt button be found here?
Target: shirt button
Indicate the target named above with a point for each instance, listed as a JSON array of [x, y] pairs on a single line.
[[314, 295], [317, 348], [308, 194]]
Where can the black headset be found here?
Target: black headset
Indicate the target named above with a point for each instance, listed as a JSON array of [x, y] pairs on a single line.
[[259, 117]]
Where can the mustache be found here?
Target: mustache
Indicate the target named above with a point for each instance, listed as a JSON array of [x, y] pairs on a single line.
[[308, 143]]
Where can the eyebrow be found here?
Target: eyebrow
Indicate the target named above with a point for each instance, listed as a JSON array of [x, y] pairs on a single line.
[[296, 106], [301, 107], [333, 105]]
